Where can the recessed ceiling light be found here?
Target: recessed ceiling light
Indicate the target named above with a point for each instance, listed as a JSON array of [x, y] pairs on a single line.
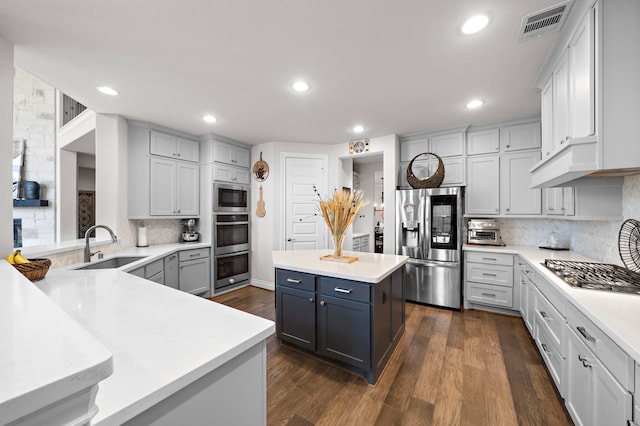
[[300, 86], [476, 103], [358, 129], [209, 118], [475, 24], [107, 90]]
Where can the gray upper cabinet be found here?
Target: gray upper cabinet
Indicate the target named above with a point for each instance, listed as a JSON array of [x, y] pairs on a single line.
[[163, 174], [166, 145], [231, 154], [447, 145]]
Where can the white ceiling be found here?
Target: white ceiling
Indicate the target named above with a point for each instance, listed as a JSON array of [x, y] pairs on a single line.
[[394, 66]]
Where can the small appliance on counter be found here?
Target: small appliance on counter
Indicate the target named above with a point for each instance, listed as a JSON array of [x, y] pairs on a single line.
[[189, 233], [484, 231]]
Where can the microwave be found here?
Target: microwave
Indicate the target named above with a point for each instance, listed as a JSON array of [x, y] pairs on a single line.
[[230, 198]]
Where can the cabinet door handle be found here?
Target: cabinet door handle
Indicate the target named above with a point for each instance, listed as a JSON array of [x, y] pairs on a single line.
[[311, 299], [585, 361], [291, 280], [544, 348], [194, 255], [585, 334], [508, 145], [343, 290], [544, 315], [384, 297], [322, 302]]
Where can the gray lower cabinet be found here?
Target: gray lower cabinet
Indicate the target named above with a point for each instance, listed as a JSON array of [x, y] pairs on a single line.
[[351, 323], [171, 271], [194, 272]]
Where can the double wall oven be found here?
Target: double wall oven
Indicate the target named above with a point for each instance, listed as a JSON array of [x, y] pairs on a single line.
[[231, 235]]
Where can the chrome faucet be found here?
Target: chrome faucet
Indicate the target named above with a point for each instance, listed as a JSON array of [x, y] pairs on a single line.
[[87, 250]]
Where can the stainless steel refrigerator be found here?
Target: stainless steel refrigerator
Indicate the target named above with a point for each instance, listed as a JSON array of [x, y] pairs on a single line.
[[429, 232]]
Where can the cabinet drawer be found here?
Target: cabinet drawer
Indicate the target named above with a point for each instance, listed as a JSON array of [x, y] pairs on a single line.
[[549, 318], [490, 258], [344, 289], [550, 353], [154, 268], [552, 293], [193, 254], [610, 354], [490, 274], [299, 280], [490, 295]]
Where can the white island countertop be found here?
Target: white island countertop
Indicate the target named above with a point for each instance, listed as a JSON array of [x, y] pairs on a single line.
[[616, 314], [370, 267], [161, 339]]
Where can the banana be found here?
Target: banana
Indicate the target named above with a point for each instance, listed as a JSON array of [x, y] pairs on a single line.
[[18, 258], [10, 259]]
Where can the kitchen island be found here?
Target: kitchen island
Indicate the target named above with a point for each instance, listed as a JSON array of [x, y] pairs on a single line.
[[175, 358], [350, 314]]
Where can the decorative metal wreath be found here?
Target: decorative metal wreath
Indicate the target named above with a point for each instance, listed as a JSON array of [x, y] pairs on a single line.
[[433, 181]]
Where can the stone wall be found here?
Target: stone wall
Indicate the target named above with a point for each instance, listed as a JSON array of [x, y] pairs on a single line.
[[34, 121]]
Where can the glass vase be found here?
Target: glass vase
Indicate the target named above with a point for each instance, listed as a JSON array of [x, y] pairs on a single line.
[[337, 245]]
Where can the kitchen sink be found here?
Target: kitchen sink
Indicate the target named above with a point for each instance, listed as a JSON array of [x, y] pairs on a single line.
[[114, 262]]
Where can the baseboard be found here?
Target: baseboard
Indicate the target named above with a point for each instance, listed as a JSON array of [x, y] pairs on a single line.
[[267, 285]]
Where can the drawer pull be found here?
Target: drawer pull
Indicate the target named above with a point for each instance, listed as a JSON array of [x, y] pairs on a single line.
[[490, 258], [544, 315], [194, 255], [291, 280], [343, 290], [544, 348], [486, 274], [489, 294], [585, 334]]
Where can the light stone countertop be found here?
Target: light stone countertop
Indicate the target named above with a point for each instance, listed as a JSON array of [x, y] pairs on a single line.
[[45, 355], [616, 314], [370, 267], [156, 339]]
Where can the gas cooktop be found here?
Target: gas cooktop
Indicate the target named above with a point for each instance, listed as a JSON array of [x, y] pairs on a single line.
[[596, 276]]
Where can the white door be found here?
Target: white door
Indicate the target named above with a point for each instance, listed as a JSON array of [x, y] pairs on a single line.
[[304, 226]]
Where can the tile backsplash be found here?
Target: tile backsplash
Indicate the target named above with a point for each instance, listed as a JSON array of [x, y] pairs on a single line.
[[595, 239]]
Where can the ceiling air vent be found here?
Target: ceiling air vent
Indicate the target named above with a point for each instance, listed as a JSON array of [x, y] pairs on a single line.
[[544, 21]]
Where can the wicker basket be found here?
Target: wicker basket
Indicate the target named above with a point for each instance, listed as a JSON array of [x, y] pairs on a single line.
[[35, 270], [433, 181]]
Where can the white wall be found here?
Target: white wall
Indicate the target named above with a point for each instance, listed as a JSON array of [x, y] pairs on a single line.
[[6, 137]]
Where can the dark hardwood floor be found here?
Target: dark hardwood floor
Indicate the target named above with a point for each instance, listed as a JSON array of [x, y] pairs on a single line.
[[450, 368]]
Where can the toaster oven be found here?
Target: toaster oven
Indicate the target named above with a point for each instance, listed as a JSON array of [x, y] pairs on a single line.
[[483, 231]]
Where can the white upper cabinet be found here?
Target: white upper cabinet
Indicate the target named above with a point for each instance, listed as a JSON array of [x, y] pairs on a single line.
[[482, 196], [593, 69], [448, 145], [520, 136], [516, 197], [231, 154], [409, 149], [166, 145], [483, 141]]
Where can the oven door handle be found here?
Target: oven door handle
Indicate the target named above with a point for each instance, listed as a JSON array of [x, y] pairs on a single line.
[[237, 253]]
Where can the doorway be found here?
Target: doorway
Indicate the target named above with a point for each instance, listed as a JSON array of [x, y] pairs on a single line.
[[368, 177]]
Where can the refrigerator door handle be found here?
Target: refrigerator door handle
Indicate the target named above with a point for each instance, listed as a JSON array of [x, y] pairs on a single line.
[[436, 263]]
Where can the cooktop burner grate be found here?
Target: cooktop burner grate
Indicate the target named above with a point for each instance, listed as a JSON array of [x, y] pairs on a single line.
[[597, 276]]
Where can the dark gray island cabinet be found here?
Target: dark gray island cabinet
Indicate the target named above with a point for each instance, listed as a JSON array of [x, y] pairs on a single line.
[[351, 323]]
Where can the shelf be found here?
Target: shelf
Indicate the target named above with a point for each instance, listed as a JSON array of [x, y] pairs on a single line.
[[30, 203]]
